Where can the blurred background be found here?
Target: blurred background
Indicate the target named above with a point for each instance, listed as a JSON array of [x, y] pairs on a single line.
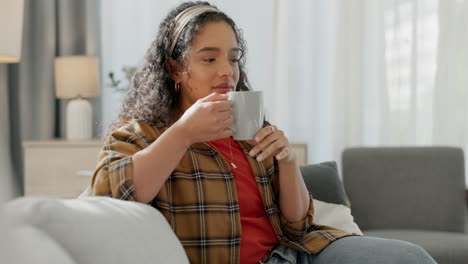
[[335, 73]]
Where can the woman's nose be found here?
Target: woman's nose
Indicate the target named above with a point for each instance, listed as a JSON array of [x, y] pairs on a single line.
[[226, 69]]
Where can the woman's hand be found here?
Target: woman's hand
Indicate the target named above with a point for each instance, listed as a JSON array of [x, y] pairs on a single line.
[[272, 141], [207, 119]]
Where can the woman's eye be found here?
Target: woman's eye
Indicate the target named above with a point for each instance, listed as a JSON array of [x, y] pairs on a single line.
[[209, 60]]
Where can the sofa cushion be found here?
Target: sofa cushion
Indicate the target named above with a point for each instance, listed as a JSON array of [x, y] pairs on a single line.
[[444, 247], [101, 229], [323, 182], [406, 187]]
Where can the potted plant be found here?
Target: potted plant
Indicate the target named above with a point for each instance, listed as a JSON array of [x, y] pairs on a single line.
[[116, 84]]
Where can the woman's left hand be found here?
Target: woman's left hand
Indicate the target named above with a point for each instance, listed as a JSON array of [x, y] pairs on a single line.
[[272, 141]]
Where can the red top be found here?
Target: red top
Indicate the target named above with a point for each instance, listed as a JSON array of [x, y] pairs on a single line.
[[258, 235]]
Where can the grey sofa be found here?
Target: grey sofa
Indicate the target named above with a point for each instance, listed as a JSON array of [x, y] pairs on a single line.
[[89, 230], [416, 194], [99, 230]]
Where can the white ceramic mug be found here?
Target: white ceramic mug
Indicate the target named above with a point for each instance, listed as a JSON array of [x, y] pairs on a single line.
[[247, 110]]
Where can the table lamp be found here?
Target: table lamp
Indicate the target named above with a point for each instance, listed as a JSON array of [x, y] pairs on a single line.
[[11, 30], [77, 78]]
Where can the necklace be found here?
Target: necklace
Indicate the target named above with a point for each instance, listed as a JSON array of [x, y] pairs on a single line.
[[230, 152], [231, 161]]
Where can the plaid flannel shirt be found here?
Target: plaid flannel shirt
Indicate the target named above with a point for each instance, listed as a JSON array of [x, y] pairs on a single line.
[[199, 199]]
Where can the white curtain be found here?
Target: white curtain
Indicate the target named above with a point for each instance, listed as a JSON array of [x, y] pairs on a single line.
[[335, 73], [366, 72]]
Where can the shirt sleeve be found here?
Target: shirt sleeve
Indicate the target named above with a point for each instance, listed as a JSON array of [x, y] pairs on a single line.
[[293, 230], [296, 230], [113, 175]]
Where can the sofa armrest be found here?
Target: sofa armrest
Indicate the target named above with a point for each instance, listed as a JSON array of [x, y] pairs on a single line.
[[27, 244], [100, 229]]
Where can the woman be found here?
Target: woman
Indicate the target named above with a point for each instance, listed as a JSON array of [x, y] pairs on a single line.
[[227, 201]]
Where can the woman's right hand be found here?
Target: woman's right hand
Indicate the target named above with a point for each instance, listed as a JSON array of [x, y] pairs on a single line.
[[207, 119]]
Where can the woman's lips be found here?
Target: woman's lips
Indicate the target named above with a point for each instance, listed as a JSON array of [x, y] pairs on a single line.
[[223, 90]]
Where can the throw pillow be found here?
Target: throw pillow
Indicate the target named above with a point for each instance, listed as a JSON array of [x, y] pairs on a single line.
[[335, 215], [323, 182]]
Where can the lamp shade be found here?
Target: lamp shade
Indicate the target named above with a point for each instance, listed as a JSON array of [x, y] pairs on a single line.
[[11, 30], [76, 76]]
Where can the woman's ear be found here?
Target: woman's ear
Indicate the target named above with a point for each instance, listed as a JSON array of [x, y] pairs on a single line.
[[174, 70]]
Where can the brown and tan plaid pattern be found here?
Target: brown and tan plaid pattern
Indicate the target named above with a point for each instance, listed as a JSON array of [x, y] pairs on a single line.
[[199, 199]]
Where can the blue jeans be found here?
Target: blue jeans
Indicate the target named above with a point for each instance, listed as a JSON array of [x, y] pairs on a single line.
[[354, 250]]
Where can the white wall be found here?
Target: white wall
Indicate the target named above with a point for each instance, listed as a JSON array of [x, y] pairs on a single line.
[[128, 27]]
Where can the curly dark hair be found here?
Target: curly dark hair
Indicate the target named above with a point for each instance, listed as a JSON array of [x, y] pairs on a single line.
[[152, 97]]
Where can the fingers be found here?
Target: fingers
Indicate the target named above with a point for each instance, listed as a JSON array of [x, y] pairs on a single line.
[[227, 120], [251, 142], [223, 125], [283, 154], [273, 149], [224, 115], [270, 141], [225, 133], [229, 132], [264, 132], [215, 97], [264, 143], [221, 106]]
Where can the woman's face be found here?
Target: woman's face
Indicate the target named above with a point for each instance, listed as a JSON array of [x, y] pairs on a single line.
[[212, 64]]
